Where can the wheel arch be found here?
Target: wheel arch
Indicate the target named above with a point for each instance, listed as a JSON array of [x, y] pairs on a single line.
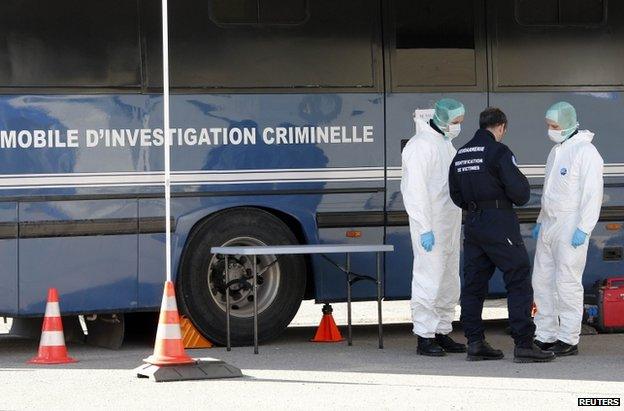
[[297, 228], [302, 224]]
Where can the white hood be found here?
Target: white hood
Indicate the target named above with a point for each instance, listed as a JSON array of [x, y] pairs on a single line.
[[423, 126]]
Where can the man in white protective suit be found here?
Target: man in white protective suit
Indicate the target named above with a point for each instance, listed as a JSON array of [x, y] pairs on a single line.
[[435, 225], [571, 202]]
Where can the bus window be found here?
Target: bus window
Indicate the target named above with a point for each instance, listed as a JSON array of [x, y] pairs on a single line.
[[69, 43], [560, 12], [301, 44], [234, 12], [537, 12], [256, 12], [436, 44], [582, 11], [554, 56]]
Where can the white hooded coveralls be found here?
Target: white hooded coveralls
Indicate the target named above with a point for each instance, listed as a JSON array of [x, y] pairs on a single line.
[[571, 199], [435, 278]]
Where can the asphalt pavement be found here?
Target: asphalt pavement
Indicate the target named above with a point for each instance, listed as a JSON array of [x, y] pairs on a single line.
[[293, 373]]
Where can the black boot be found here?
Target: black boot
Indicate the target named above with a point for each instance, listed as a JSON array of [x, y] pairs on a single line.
[[481, 350], [448, 344], [532, 353], [544, 345], [429, 347], [561, 349]]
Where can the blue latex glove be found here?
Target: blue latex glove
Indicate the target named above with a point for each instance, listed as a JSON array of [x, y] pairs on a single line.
[[578, 238], [536, 231], [427, 240]]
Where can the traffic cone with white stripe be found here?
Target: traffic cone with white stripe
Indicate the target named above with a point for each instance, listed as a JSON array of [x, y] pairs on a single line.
[[169, 348], [52, 348], [169, 361]]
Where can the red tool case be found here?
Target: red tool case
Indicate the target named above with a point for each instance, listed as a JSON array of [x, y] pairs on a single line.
[[611, 305]]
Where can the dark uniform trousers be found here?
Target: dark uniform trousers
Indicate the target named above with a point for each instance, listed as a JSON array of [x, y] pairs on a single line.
[[480, 262], [485, 181]]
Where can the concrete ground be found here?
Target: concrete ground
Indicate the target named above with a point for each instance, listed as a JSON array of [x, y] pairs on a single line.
[[292, 373]]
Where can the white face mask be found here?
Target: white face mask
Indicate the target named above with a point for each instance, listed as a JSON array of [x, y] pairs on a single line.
[[559, 136], [453, 131], [556, 135]]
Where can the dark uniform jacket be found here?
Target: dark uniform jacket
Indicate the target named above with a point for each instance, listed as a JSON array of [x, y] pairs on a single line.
[[484, 179]]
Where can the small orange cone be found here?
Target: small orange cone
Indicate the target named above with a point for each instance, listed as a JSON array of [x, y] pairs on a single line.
[[533, 310], [52, 348], [169, 349], [327, 330], [191, 337]]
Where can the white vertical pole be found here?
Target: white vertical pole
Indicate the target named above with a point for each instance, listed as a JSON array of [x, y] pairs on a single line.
[[167, 148]]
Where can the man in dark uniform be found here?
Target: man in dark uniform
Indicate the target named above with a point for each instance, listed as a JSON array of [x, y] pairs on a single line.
[[485, 181]]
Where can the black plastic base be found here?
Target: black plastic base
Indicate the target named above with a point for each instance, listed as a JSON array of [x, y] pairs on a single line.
[[204, 369]]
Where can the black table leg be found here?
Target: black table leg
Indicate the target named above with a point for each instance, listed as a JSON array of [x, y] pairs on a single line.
[[379, 319], [255, 299], [227, 306], [349, 331]]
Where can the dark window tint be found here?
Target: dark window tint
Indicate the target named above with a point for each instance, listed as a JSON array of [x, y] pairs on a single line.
[[69, 43], [282, 12], [582, 11], [435, 43], [330, 45], [559, 55], [258, 11], [234, 11], [537, 12], [560, 12]]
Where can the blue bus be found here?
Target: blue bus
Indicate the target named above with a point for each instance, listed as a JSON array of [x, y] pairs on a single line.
[[288, 120]]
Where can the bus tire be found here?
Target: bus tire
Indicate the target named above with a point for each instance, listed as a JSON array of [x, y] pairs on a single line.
[[200, 282]]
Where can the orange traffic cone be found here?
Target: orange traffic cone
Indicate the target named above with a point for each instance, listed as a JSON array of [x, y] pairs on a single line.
[[169, 349], [327, 330], [191, 337], [52, 348], [533, 310]]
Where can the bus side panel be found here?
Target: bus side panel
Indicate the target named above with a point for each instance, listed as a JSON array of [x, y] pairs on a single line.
[[262, 114], [61, 113], [151, 275], [86, 249], [400, 123], [331, 282], [8, 256]]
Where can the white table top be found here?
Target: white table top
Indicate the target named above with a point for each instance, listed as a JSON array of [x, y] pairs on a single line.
[[302, 249]]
